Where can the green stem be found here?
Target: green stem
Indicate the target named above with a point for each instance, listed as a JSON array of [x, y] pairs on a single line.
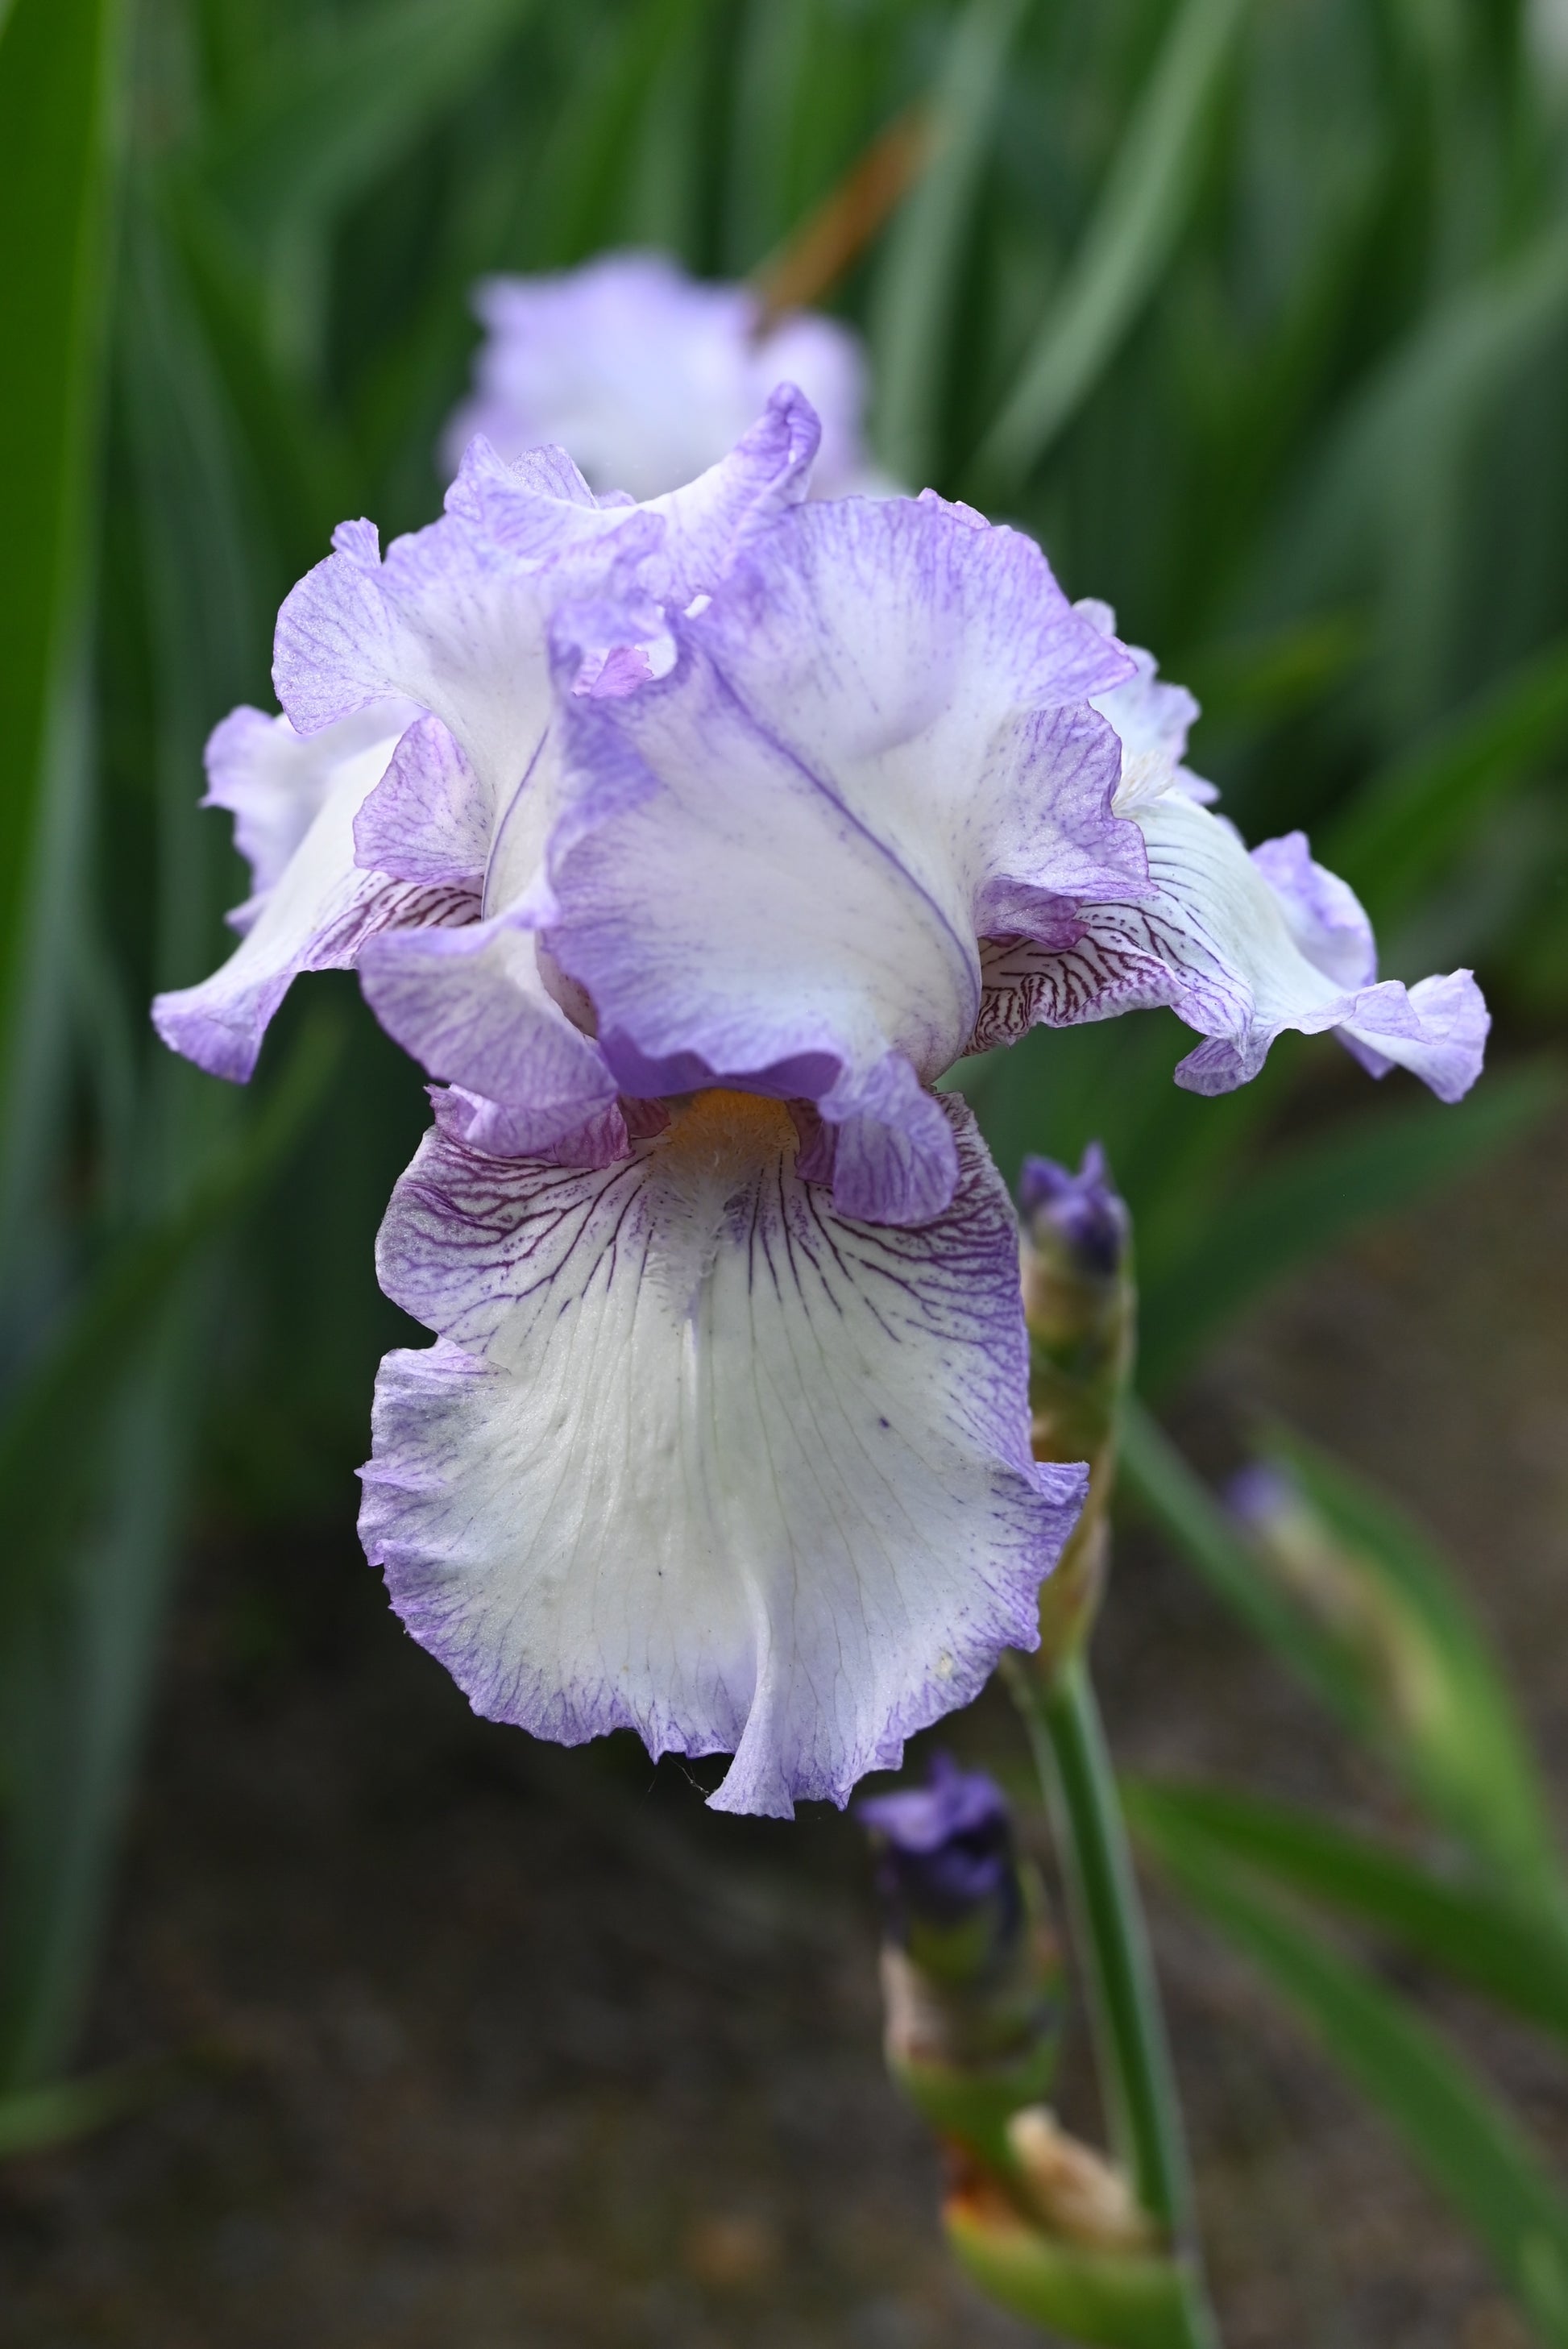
[[1112, 1942]]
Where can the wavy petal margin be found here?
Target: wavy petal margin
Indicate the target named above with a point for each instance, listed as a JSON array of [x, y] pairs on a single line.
[[697, 1456]]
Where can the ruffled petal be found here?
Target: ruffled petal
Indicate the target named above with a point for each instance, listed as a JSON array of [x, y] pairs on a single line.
[[1232, 954], [705, 522], [698, 1457], [427, 818], [1152, 717], [775, 863], [471, 1006], [317, 914], [1322, 913], [455, 620], [274, 782]]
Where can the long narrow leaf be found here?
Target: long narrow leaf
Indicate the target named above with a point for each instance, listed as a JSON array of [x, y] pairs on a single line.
[[1514, 1950], [341, 112], [1315, 1194], [1141, 213], [57, 77], [32, 2120], [1408, 822], [918, 285], [1455, 2131], [1465, 1750], [1154, 1472], [50, 1427]]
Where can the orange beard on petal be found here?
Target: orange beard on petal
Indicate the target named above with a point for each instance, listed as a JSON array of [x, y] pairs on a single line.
[[718, 1133]]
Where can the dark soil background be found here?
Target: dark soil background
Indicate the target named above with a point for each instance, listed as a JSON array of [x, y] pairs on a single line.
[[482, 2045]]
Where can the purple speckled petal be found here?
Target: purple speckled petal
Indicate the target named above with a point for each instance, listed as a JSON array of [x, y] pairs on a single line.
[[705, 521], [1215, 939], [648, 376], [472, 1007], [698, 1457], [456, 620], [321, 908], [778, 857], [427, 818], [893, 1158]]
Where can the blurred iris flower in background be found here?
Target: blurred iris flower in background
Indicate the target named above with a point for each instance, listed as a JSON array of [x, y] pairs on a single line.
[[648, 376]]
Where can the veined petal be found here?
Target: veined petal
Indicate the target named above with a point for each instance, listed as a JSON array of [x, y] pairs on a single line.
[[316, 915], [427, 819], [1217, 941], [470, 1004], [732, 922], [698, 1456], [775, 863]]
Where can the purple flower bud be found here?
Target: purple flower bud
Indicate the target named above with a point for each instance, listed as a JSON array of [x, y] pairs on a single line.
[[1260, 1495], [945, 1851], [1083, 1211]]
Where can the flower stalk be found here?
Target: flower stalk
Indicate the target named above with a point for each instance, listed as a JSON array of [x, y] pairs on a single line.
[[1079, 1303]]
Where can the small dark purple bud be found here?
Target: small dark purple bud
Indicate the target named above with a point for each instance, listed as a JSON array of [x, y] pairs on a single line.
[[1083, 1211], [945, 1851]]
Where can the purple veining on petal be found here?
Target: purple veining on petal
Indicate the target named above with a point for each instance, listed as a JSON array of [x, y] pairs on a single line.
[[427, 819], [320, 909], [688, 536], [1215, 939], [793, 1516], [472, 1007]]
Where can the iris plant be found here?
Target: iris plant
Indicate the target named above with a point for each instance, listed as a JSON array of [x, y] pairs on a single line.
[[687, 845]]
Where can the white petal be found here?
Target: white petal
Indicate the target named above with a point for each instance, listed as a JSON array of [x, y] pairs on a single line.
[[317, 916], [699, 1457], [1215, 939]]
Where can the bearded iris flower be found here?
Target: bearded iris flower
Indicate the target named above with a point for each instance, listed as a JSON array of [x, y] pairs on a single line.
[[647, 376], [687, 845]]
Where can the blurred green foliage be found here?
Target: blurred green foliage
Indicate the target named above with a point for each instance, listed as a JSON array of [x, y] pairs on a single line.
[[1257, 315], [1355, 1602]]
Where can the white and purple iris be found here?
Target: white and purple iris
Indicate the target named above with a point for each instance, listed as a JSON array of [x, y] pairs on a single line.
[[686, 844], [649, 375]]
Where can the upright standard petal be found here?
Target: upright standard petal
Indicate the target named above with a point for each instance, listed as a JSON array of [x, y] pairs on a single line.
[[776, 862], [297, 801], [648, 376], [458, 618], [697, 1456], [706, 520]]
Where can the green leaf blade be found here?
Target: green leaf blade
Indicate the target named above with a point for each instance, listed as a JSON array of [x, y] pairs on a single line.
[[1140, 215], [1511, 1949], [1454, 2130], [58, 80]]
